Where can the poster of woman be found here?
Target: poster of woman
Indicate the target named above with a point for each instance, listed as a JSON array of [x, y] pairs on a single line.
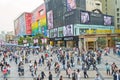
[[68, 30], [50, 19], [71, 4]]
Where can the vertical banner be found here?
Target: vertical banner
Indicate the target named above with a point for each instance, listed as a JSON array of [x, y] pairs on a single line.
[[50, 19], [35, 41], [28, 18]]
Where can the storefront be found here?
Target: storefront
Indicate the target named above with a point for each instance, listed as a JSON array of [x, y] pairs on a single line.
[[71, 41]]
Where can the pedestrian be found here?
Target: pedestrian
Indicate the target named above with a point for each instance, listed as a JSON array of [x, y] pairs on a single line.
[[74, 75], [61, 78], [63, 63], [78, 61], [78, 74], [85, 72], [38, 78], [97, 77], [50, 76], [107, 69], [42, 75], [69, 71], [5, 72]]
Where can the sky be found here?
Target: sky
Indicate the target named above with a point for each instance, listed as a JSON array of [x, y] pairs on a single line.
[[12, 9]]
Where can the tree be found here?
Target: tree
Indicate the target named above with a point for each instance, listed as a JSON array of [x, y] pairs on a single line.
[[101, 42]]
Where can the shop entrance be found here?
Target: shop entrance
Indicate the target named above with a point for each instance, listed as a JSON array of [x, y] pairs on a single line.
[[71, 44], [91, 45]]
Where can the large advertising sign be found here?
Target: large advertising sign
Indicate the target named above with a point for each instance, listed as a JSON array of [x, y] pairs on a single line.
[[71, 4], [22, 25], [107, 20], [68, 30], [85, 18], [28, 18], [35, 28], [50, 19], [16, 27]]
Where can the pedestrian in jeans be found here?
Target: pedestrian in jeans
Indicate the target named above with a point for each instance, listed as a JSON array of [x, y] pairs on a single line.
[[5, 72], [50, 76], [107, 69], [85, 72]]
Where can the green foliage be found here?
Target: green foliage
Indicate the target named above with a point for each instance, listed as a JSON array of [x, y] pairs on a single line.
[[101, 42], [30, 39]]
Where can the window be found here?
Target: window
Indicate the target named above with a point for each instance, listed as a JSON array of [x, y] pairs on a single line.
[[118, 26], [118, 20], [117, 9], [118, 14]]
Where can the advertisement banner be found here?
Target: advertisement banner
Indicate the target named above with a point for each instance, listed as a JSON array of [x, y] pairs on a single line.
[[22, 25], [50, 19], [71, 4], [68, 30], [28, 18], [16, 27], [35, 28]]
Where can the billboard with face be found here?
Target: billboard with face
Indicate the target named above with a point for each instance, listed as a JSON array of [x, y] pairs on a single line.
[[68, 30], [107, 20], [50, 19], [71, 4], [85, 18]]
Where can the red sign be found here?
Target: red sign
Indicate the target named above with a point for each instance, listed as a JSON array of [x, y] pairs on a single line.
[[28, 18]]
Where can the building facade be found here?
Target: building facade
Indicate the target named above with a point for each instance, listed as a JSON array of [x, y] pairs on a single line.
[[112, 7], [70, 24], [22, 24], [39, 24], [93, 4]]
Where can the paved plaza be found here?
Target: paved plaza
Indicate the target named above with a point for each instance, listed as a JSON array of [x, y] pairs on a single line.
[[92, 73]]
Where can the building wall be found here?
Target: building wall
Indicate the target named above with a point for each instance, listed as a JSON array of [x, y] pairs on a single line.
[[39, 24], [22, 25], [93, 4], [112, 7]]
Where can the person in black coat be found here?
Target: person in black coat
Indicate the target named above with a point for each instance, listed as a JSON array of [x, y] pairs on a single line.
[[50, 76]]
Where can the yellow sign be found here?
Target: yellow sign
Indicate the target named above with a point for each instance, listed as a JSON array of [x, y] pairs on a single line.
[[117, 31], [103, 31], [89, 31]]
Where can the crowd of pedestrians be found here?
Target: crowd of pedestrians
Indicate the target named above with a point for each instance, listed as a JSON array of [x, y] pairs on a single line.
[[61, 58]]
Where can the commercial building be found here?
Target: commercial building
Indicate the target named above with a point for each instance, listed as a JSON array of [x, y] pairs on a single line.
[[22, 24], [39, 24], [70, 24], [112, 7], [93, 5]]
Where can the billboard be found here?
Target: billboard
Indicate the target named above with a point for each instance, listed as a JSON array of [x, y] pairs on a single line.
[[39, 15], [28, 18], [71, 4], [85, 17], [35, 28], [16, 27], [22, 25], [107, 20], [50, 19], [68, 30], [55, 32]]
